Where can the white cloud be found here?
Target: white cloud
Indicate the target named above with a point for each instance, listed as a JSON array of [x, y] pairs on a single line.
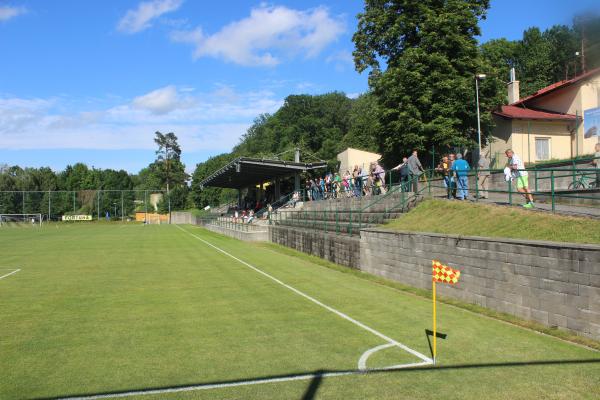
[[211, 121], [161, 101], [141, 18], [8, 12], [266, 36]]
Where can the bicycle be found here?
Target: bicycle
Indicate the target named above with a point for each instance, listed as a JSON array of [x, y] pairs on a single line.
[[584, 182]]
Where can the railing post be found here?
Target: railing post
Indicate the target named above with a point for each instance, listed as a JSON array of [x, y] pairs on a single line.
[[350, 226], [552, 189], [509, 192], [476, 183], [535, 172]]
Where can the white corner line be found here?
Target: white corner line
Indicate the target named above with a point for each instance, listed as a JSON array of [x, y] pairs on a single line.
[[10, 273], [331, 309], [362, 362]]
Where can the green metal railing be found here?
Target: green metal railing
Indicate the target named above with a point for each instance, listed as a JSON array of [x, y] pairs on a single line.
[[353, 219], [576, 186]]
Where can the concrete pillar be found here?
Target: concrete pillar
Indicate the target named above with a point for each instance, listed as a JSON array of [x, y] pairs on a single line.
[[297, 175], [277, 192]]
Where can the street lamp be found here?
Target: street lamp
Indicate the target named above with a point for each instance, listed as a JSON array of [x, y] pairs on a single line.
[[478, 77]]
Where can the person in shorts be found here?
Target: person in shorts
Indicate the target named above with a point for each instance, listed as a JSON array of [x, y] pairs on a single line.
[[520, 177]]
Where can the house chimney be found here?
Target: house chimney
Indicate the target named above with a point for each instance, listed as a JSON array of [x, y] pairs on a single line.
[[513, 88]]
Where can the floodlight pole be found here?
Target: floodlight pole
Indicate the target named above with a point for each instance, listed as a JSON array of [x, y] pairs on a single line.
[[477, 78]]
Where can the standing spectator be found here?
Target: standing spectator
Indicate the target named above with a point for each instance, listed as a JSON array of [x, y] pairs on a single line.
[[461, 171], [451, 159], [444, 169], [416, 169], [404, 174], [483, 176], [521, 176], [356, 176], [322, 192], [314, 189], [596, 162], [369, 185], [308, 190], [380, 176]]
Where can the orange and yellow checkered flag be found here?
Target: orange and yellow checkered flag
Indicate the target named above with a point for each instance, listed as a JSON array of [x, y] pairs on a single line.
[[444, 274]]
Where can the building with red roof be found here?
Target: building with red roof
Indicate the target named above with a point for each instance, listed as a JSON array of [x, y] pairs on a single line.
[[551, 123]]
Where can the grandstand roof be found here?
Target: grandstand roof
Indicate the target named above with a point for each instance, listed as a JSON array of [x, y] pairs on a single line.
[[244, 172]]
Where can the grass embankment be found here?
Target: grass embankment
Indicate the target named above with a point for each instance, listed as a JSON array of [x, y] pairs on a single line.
[[471, 219]]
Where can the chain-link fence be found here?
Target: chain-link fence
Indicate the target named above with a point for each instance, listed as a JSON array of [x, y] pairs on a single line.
[[108, 204]]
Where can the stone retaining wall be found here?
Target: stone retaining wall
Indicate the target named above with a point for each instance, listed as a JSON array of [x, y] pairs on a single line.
[[556, 284], [340, 249]]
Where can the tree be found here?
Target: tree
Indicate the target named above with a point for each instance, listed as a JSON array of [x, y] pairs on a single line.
[[423, 57], [209, 196], [168, 153]]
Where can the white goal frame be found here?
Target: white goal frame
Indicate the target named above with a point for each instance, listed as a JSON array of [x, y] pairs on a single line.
[[34, 219]]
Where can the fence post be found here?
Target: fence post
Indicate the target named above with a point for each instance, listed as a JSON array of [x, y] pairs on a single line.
[[49, 205], [509, 192], [552, 189]]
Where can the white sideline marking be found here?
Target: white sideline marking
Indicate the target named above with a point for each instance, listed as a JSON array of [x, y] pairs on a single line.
[[10, 273], [333, 310], [213, 386]]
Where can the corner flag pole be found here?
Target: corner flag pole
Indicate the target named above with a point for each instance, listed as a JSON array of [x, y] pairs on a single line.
[[434, 325]]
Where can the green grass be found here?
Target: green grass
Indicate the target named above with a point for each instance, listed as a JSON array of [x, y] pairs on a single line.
[[470, 219], [106, 307]]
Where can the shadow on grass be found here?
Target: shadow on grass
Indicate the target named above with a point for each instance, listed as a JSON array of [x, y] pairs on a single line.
[[315, 378]]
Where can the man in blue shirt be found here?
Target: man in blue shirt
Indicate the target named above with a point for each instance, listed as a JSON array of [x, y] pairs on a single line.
[[461, 170]]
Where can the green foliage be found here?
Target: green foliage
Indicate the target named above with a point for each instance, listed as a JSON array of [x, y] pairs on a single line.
[[203, 197], [423, 58], [542, 58], [321, 126]]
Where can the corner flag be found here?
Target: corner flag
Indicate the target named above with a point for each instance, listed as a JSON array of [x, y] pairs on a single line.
[[443, 274]]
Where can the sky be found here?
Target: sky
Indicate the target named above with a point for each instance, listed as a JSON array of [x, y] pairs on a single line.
[[92, 81]]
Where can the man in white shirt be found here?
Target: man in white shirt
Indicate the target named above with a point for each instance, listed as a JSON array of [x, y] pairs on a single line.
[[520, 176]]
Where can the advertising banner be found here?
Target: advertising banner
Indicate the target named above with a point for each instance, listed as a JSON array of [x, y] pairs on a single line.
[[76, 217], [591, 123]]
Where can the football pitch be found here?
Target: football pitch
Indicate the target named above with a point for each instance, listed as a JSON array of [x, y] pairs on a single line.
[[177, 312]]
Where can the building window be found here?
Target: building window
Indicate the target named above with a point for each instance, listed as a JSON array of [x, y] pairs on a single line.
[[542, 148]]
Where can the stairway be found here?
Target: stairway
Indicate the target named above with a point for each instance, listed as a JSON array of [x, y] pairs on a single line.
[[347, 216]]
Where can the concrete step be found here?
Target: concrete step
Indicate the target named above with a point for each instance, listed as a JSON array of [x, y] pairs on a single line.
[[327, 226]]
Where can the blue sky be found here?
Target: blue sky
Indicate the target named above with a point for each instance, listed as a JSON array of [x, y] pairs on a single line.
[[92, 81]]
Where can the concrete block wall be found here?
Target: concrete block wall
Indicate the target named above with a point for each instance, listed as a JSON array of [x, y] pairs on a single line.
[[253, 235], [340, 249], [184, 217], [555, 284]]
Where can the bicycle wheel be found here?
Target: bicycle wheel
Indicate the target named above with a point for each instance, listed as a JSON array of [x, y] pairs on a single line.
[[575, 185]]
